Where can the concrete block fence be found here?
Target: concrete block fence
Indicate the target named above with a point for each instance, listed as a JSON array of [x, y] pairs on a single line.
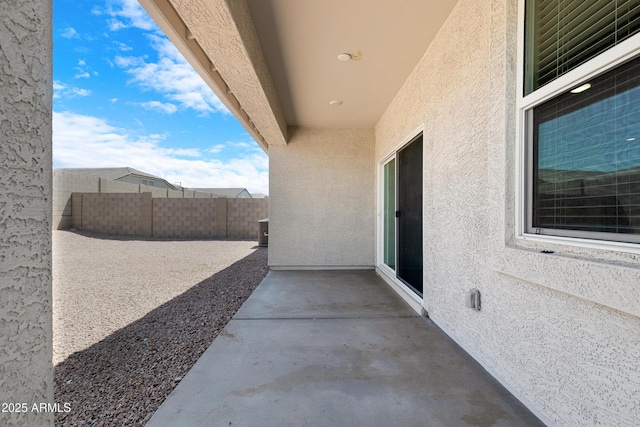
[[127, 214], [173, 213], [140, 214], [63, 185]]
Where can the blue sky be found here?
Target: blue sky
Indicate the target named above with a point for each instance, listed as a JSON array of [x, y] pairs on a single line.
[[124, 96]]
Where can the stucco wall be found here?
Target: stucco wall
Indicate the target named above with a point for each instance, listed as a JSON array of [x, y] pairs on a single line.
[[26, 373], [559, 330], [323, 215]]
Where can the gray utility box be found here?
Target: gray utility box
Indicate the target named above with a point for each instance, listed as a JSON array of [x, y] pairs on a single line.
[[263, 232]]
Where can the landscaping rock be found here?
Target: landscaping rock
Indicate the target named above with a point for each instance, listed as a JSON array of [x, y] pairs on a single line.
[[131, 317]]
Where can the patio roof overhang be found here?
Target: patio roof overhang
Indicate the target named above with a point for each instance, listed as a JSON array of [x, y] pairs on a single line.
[[274, 63]]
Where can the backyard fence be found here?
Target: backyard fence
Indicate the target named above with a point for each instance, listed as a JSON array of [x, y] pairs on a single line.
[[113, 207], [140, 214]]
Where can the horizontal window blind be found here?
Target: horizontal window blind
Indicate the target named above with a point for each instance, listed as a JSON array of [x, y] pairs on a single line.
[[586, 158], [562, 34]]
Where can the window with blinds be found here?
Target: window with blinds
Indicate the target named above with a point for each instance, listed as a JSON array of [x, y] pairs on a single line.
[[585, 166], [562, 34]]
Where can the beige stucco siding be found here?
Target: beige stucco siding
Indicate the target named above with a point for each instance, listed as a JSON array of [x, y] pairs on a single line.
[[559, 330], [323, 215], [26, 373]]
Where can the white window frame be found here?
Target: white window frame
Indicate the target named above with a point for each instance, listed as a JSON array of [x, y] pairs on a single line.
[[596, 66]]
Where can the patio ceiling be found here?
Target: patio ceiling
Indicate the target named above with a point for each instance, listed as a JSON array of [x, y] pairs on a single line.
[[274, 63], [301, 41]]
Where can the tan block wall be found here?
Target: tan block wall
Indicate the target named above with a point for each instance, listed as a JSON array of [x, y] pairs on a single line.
[[189, 218], [76, 209], [64, 184], [243, 217], [201, 195], [138, 214], [155, 191], [117, 213], [109, 186]]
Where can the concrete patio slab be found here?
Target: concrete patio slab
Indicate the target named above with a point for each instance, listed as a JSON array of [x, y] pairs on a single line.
[[349, 362], [323, 294]]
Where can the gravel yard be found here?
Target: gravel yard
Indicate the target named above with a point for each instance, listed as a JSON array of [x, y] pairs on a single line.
[[132, 316]]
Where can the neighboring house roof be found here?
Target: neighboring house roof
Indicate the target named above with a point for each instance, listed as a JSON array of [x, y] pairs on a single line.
[[113, 173], [225, 192], [259, 195]]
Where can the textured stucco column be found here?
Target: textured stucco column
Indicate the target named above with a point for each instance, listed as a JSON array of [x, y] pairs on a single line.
[[26, 373]]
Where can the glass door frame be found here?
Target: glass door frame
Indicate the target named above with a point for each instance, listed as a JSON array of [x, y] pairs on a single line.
[[390, 274], [388, 223]]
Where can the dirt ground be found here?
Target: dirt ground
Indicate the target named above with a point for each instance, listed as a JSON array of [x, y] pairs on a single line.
[[131, 316]]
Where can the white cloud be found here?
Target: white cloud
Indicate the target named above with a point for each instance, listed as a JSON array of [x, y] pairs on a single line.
[[173, 77], [216, 149], [165, 107], [116, 24], [187, 152], [69, 33], [61, 90], [81, 70], [85, 141], [80, 92], [240, 144], [126, 14], [129, 61], [122, 46]]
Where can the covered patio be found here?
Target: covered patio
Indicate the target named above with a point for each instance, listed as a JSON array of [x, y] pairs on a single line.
[[336, 92], [336, 348]]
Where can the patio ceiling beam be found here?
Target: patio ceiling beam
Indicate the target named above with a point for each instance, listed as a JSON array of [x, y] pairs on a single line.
[[219, 40]]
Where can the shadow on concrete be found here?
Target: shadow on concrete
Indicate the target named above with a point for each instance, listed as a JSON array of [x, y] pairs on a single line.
[[124, 378], [336, 348], [125, 238]]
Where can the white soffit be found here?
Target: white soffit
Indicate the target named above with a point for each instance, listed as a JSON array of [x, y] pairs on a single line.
[[302, 39]]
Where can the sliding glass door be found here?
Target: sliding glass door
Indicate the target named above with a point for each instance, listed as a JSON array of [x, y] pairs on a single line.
[[402, 214]]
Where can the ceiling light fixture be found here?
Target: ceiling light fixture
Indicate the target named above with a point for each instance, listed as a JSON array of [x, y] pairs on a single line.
[[582, 88], [344, 57], [335, 103]]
